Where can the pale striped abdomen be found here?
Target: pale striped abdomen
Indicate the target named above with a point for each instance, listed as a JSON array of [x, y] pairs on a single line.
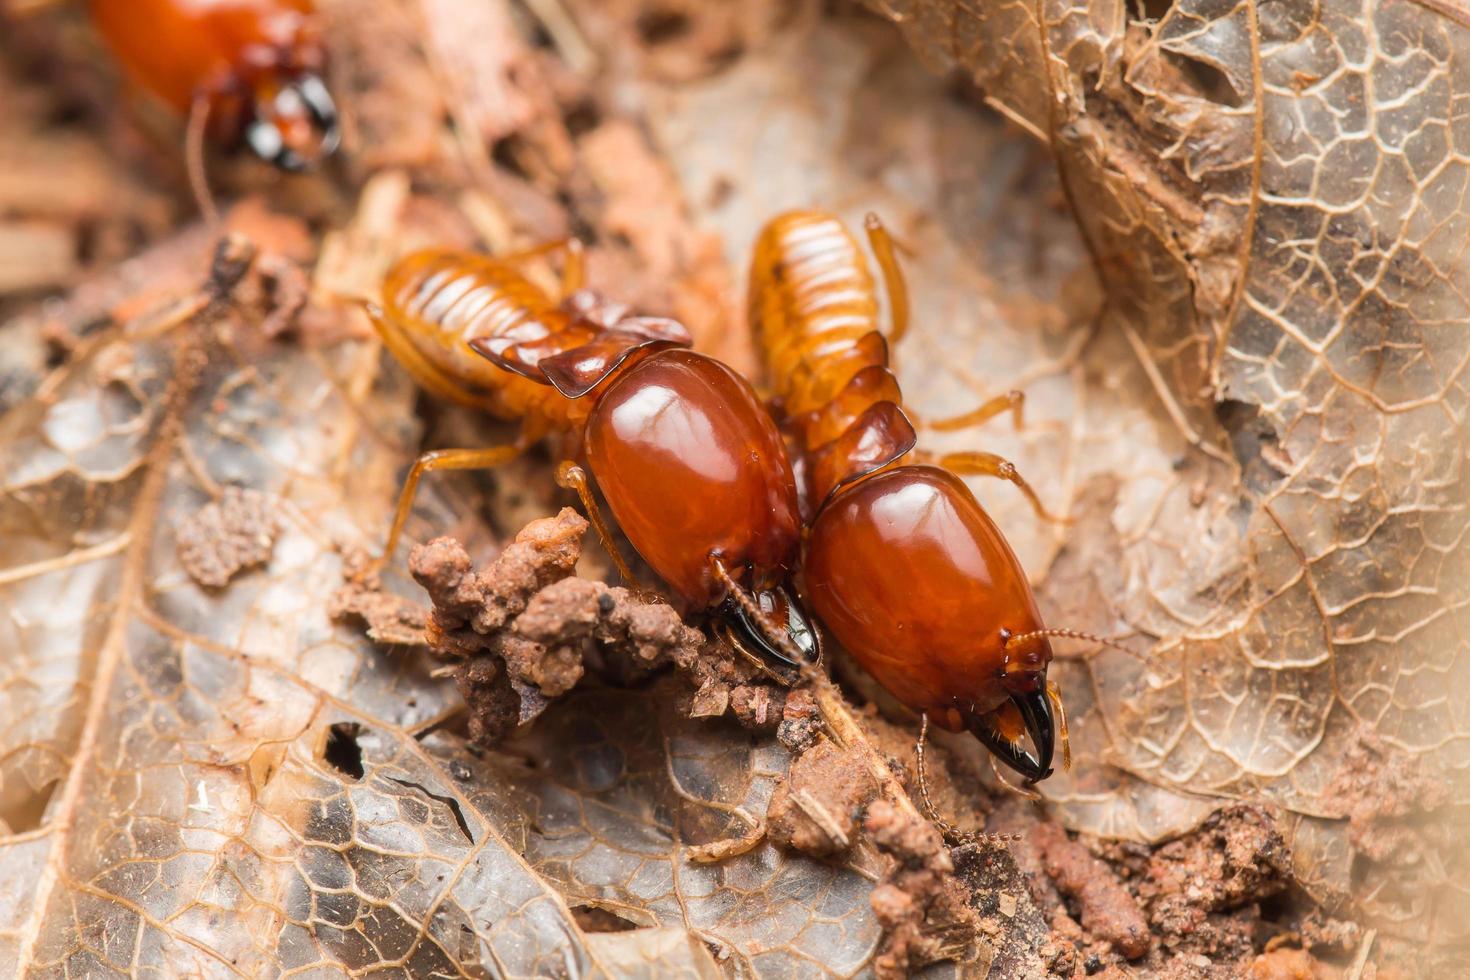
[[814, 312], [442, 300]]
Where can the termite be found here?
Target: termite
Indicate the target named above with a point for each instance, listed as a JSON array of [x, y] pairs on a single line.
[[689, 461], [902, 563], [242, 70]]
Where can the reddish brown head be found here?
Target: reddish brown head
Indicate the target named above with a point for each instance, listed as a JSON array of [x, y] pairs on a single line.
[[255, 65], [918, 583], [692, 467]]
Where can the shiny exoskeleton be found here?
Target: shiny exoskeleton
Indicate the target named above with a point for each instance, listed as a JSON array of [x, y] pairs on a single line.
[[902, 564], [253, 68], [691, 464]]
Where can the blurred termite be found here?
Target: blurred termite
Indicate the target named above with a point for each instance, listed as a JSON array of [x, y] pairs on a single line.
[[902, 563], [242, 70], [686, 456]]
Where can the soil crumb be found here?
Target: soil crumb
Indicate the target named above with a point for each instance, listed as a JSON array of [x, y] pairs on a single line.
[[523, 630], [390, 618], [817, 808], [1107, 910], [1202, 889], [1290, 964], [921, 905], [1382, 792], [222, 538]]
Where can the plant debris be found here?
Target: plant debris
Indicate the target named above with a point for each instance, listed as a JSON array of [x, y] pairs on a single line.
[[519, 632], [228, 535], [923, 907]]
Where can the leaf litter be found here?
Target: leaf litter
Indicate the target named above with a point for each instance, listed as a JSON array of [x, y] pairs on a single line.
[[226, 780]]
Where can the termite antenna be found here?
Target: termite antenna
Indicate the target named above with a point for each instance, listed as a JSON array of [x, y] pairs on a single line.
[[1075, 635], [1023, 791], [194, 158], [955, 837]]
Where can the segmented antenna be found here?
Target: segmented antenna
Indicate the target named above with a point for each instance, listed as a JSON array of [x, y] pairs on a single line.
[[1074, 635], [945, 827]]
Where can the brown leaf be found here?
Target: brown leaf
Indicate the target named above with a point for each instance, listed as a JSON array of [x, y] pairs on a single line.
[[1219, 249], [1273, 198]]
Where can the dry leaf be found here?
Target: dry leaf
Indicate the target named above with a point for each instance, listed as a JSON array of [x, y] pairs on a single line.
[[1220, 253], [1274, 197]]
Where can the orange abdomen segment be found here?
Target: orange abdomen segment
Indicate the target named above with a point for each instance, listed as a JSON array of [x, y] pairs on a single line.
[[175, 48], [917, 582], [812, 300], [693, 467], [444, 299], [814, 312]]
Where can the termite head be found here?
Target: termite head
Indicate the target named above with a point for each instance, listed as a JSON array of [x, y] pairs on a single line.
[[1027, 713], [294, 122]]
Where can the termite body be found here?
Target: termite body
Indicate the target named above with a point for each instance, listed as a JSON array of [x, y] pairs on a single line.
[[248, 70], [902, 563], [688, 460]]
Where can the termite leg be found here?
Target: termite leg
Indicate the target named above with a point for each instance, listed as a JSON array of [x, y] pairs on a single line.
[[894, 285], [1054, 695], [573, 477], [1012, 401], [441, 459], [989, 464], [574, 266], [424, 372], [194, 135]]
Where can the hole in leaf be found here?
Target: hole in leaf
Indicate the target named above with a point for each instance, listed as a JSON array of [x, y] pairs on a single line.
[[27, 813], [343, 753], [1254, 443], [1154, 10], [593, 918], [1211, 82], [661, 26], [583, 117]]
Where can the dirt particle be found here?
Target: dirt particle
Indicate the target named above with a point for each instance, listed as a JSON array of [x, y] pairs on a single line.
[[801, 722], [1385, 796], [1290, 964], [817, 809], [390, 619], [1202, 889], [233, 533], [523, 630], [921, 905], [1107, 910]]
